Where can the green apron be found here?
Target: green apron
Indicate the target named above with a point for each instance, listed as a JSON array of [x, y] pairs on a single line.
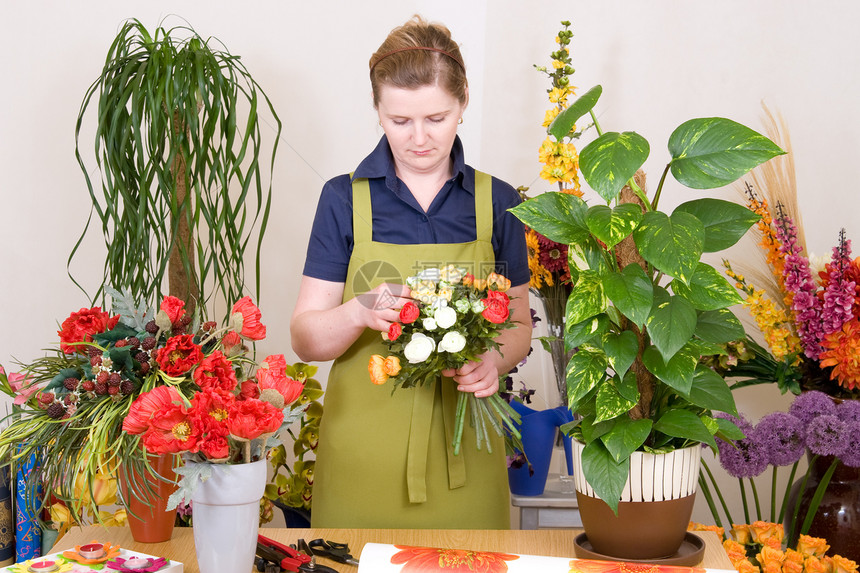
[[384, 460]]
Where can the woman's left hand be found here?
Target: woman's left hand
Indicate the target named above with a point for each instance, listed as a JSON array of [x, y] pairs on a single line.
[[480, 377]]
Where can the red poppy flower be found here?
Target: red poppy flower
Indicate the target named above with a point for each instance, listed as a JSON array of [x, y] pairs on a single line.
[[409, 313], [275, 362], [179, 355], [211, 408], [249, 390], [245, 319], [174, 307], [249, 419], [172, 431], [231, 343], [214, 444], [288, 388], [147, 404], [215, 371], [428, 559], [82, 325], [496, 307]]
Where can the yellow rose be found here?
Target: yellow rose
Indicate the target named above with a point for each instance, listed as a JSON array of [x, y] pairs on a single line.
[[741, 533], [815, 546], [451, 274], [763, 530], [445, 292], [480, 284], [498, 282], [391, 366]]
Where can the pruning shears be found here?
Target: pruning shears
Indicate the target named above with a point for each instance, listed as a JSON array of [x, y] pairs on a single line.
[[287, 558]]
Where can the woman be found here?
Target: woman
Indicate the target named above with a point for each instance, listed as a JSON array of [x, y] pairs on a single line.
[[384, 460]]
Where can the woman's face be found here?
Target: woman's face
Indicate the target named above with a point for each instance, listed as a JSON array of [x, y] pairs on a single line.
[[421, 125]]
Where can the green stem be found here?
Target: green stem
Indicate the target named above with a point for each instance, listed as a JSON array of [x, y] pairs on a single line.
[[458, 422], [816, 497], [790, 533], [719, 493], [744, 500], [660, 187], [773, 496], [787, 491], [706, 491], [596, 123], [755, 499]]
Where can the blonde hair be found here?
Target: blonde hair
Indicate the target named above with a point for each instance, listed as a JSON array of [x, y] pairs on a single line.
[[418, 54]]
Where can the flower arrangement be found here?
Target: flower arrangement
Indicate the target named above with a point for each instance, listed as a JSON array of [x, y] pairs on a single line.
[[644, 306], [124, 385], [761, 547], [814, 424], [454, 320]]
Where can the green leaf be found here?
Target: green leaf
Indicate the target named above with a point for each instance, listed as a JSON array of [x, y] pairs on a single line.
[[684, 424], [678, 372], [708, 289], [719, 326], [612, 225], [628, 387], [621, 350], [626, 437], [714, 151], [631, 292], [611, 159], [592, 430], [566, 119], [728, 430], [725, 221], [610, 403], [582, 332], [604, 474], [671, 324], [587, 367], [586, 299], [559, 217], [593, 254], [710, 391], [673, 243]]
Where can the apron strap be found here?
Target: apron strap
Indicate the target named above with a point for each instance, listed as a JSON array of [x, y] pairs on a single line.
[[483, 206], [419, 438], [362, 211]]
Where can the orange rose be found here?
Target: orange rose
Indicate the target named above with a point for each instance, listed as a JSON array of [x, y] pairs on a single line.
[[770, 559], [468, 279], [744, 566], [839, 564], [815, 546], [735, 551], [741, 533], [702, 527], [813, 564], [793, 562], [762, 531], [376, 369], [391, 366], [498, 282], [496, 307]]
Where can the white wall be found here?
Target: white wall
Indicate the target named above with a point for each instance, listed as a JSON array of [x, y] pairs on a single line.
[[660, 62]]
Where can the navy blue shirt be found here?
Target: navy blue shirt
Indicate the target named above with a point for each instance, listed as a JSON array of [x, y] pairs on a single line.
[[399, 219]]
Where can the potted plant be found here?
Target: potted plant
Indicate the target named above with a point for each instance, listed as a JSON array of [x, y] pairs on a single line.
[[644, 306], [180, 148]]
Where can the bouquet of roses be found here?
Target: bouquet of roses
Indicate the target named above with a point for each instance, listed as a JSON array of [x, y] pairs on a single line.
[[454, 320]]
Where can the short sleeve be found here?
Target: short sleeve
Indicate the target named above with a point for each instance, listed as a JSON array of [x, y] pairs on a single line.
[[331, 241], [509, 235]]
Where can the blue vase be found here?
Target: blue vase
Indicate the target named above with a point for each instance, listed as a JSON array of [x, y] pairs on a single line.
[[538, 428]]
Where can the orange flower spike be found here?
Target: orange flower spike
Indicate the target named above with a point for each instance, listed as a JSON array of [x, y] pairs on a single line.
[[812, 546], [843, 354], [376, 369]]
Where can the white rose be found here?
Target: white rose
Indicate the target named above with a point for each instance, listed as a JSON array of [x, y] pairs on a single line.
[[429, 323], [452, 342], [419, 348], [445, 317]]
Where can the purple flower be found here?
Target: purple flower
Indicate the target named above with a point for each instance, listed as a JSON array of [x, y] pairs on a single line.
[[744, 458], [849, 411], [839, 292], [850, 456], [826, 435], [810, 405], [782, 436]]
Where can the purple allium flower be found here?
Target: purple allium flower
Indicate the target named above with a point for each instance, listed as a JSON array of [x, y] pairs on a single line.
[[850, 456], [744, 458], [810, 405], [782, 436], [849, 411], [826, 435]]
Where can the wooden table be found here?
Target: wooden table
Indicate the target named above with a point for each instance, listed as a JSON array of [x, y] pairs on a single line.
[[553, 543]]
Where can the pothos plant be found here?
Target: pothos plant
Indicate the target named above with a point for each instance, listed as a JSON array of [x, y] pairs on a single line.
[[644, 306]]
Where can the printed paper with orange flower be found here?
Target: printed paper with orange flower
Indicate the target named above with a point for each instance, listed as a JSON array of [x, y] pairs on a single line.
[[589, 566], [429, 559]]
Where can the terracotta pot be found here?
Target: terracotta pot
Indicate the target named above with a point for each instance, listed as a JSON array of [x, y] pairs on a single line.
[[838, 516], [148, 518], [654, 510]]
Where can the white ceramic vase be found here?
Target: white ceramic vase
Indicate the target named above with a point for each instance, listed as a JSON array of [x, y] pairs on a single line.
[[226, 517]]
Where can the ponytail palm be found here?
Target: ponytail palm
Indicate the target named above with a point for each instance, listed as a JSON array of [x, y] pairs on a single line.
[[179, 147]]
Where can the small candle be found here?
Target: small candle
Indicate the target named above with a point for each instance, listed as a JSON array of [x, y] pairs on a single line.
[[92, 551], [43, 566], [137, 563]]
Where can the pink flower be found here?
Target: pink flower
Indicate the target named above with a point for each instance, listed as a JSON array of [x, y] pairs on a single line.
[[23, 386]]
